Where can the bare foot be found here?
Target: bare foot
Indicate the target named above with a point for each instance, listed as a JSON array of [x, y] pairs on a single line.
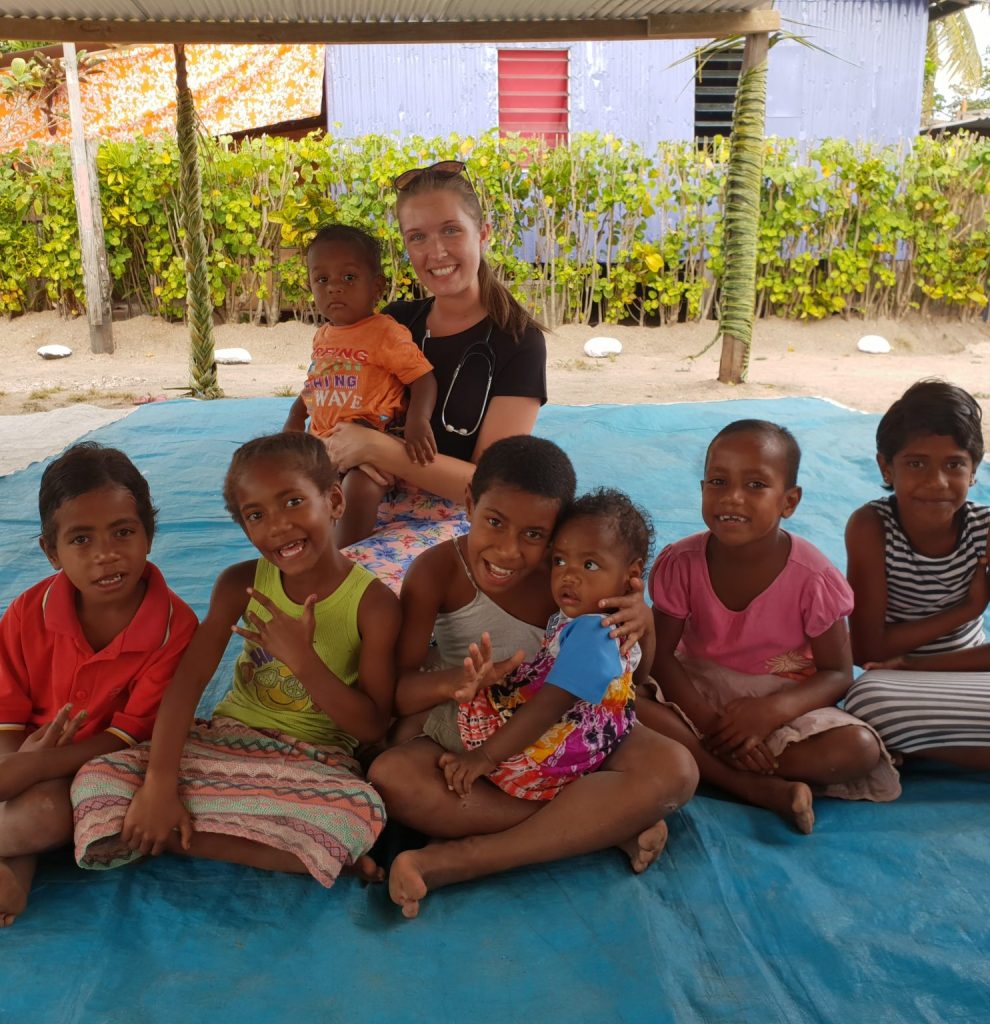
[[406, 884], [793, 801], [797, 807], [13, 895], [644, 849], [802, 809], [365, 869]]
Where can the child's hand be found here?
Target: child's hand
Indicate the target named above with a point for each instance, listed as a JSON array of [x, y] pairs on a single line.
[[284, 637], [902, 661], [155, 813], [57, 733], [630, 618], [743, 724], [380, 477], [23, 768], [758, 760], [978, 596], [421, 445], [481, 671], [461, 770]]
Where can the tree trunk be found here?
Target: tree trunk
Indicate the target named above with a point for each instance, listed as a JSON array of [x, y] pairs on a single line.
[[742, 212], [202, 362]]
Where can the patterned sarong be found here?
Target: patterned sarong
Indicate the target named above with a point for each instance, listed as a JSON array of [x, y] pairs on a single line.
[[264, 786], [409, 522]]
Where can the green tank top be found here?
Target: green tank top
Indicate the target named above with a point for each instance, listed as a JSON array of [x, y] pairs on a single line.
[[265, 694]]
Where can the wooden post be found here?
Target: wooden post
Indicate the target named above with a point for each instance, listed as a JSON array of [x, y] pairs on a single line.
[[199, 303], [734, 360], [89, 215]]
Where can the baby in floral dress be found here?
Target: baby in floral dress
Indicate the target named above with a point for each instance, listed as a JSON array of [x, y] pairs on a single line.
[[559, 716]]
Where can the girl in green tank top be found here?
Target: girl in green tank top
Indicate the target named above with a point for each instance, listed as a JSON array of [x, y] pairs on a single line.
[[271, 781]]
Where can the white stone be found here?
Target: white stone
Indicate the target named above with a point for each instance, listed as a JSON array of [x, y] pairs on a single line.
[[873, 343], [54, 351], [599, 348], [232, 355]]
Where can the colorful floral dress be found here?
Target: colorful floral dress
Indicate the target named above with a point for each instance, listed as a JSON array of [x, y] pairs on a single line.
[[580, 657]]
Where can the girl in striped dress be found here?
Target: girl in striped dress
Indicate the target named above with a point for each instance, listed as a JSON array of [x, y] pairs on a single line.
[[918, 568]]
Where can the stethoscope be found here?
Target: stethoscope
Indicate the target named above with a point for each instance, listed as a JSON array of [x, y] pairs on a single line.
[[476, 350]]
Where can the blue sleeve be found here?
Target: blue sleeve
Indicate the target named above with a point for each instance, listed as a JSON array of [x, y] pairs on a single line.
[[588, 660]]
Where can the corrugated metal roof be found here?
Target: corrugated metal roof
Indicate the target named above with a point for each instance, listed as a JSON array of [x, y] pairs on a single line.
[[371, 10], [379, 20], [979, 125]]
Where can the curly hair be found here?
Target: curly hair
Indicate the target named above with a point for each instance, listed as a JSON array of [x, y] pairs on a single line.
[[630, 524], [369, 248], [530, 464]]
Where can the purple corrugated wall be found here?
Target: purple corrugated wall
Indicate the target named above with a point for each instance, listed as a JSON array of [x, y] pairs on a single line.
[[867, 86]]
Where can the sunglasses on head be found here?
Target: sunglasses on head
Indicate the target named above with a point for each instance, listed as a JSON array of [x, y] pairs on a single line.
[[442, 169]]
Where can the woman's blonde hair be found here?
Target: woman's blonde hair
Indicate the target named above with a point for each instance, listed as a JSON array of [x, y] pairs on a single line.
[[499, 303]]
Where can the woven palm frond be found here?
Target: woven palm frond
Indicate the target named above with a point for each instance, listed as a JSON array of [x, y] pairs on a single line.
[[202, 362], [744, 179]]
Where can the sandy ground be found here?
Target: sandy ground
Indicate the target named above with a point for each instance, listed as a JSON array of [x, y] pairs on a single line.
[[789, 358]]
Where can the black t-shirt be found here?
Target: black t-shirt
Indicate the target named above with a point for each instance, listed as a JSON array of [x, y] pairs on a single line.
[[518, 369]]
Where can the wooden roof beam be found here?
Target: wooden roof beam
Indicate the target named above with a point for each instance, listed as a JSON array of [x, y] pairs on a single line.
[[712, 26], [944, 8], [90, 32]]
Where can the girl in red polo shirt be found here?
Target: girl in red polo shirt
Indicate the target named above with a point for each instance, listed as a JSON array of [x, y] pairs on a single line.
[[85, 655]]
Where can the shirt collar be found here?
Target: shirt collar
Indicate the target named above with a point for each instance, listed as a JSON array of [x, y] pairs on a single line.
[[148, 630]]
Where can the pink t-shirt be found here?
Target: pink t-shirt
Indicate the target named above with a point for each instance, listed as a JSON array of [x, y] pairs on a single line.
[[771, 635]]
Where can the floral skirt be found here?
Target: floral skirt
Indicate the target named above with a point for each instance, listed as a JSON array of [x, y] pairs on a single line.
[[409, 522]]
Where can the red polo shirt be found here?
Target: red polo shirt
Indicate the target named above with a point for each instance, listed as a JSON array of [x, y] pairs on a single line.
[[46, 661]]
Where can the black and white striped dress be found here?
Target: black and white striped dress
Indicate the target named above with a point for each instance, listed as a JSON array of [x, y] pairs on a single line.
[[915, 710]]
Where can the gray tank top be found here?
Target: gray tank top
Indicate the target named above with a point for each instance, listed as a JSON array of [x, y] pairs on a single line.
[[455, 631]]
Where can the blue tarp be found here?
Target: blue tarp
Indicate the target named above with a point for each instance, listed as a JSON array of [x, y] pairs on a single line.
[[879, 916]]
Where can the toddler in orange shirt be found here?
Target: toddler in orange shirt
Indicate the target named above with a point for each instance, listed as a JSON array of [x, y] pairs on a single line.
[[362, 364]]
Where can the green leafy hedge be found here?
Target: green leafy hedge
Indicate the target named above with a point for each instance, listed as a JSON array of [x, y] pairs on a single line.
[[596, 228]]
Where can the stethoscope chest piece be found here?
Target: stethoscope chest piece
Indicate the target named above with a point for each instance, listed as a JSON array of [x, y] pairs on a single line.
[[476, 350]]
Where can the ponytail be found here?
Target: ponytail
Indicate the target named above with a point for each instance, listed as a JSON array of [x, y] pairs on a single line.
[[501, 305]]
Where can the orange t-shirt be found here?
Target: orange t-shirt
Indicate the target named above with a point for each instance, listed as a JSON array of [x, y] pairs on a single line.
[[361, 372]]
